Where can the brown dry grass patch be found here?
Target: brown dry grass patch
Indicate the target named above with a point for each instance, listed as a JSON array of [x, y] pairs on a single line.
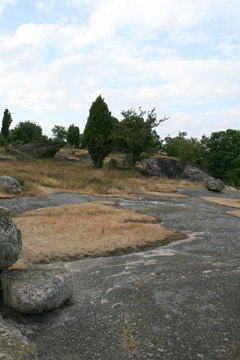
[[79, 178], [223, 201], [234, 213], [72, 232]]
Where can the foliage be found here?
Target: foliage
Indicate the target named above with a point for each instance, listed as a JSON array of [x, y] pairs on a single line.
[[98, 130], [221, 155], [27, 131], [59, 132], [172, 145], [189, 151], [136, 136], [54, 146], [6, 122], [73, 135]]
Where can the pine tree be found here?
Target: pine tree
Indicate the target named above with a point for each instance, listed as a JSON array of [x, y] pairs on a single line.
[[6, 122], [97, 133]]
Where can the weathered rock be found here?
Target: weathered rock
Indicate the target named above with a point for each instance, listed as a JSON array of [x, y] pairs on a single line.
[[214, 184], [13, 344], [35, 291], [34, 149], [10, 240], [194, 174], [163, 167], [8, 183], [5, 158], [113, 163]]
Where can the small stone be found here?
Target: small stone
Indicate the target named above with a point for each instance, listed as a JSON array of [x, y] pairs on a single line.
[[37, 290], [10, 240]]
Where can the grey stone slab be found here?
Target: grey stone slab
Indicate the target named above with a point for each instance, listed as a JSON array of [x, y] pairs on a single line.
[[13, 344]]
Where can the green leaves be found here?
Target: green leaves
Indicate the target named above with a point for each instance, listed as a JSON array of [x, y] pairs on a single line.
[[135, 135], [98, 130]]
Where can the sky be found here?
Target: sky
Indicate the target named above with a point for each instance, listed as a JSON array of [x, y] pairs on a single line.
[[181, 57]]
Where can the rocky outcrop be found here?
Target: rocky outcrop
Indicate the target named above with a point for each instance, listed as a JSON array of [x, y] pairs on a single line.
[[37, 290], [214, 184], [34, 149], [162, 167], [13, 344], [195, 174], [10, 240], [8, 183]]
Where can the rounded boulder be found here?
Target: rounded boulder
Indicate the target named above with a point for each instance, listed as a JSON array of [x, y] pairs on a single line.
[[8, 183], [10, 240]]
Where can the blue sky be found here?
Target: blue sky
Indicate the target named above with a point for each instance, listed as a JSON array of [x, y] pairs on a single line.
[[180, 57]]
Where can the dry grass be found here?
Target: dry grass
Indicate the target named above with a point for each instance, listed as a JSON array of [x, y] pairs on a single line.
[[234, 213], [85, 230], [79, 178], [223, 201]]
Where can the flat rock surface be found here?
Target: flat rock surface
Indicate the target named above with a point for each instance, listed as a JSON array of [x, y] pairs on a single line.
[[14, 345], [177, 302]]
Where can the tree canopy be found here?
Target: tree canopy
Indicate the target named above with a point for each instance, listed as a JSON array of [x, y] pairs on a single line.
[[27, 131], [136, 136], [98, 131], [73, 135], [59, 132], [6, 122], [222, 155]]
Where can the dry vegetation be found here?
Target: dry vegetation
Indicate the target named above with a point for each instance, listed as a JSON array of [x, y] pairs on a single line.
[[80, 178], [234, 213], [223, 201], [86, 230]]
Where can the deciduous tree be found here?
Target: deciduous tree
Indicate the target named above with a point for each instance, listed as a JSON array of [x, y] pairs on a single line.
[[136, 134]]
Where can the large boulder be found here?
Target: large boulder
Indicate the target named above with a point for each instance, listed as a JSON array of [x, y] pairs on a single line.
[[8, 183], [13, 344], [162, 167], [34, 149], [214, 184], [37, 290], [195, 174], [10, 240]]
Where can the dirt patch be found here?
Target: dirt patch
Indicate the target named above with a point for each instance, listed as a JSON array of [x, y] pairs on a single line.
[[72, 232], [168, 194], [234, 213], [223, 201]]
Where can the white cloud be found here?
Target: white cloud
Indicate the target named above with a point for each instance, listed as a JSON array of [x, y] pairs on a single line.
[[46, 6], [129, 52], [4, 3]]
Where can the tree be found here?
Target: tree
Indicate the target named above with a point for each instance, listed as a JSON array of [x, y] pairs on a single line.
[[136, 136], [59, 132], [98, 131], [27, 131], [189, 151], [6, 122], [172, 145], [221, 155], [73, 135]]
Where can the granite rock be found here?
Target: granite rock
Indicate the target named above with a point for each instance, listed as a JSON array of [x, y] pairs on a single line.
[[214, 184], [8, 183], [10, 240], [13, 344], [37, 290]]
